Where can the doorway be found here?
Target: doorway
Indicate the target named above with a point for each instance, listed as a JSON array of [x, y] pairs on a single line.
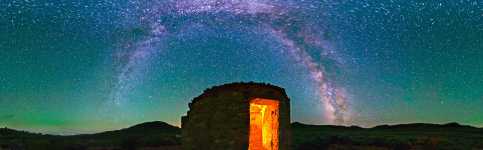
[[264, 124]]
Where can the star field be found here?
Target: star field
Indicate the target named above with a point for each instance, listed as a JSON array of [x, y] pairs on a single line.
[[73, 67]]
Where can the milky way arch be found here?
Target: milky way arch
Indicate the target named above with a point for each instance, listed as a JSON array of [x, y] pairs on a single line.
[[274, 17]]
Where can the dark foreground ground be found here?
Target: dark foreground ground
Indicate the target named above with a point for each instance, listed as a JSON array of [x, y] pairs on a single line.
[[399, 137], [162, 136]]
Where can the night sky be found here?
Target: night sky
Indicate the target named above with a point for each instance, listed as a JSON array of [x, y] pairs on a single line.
[[83, 66]]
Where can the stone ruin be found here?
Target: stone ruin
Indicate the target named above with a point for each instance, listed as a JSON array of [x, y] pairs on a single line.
[[238, 116]]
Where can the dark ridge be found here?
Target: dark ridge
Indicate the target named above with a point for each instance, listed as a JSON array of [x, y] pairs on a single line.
[[147, 127], [456, 125], [149, 134], [7, 132], [153, 125], [237, 86], [398, 126], [301, 125], [298, 124], [425, 125]]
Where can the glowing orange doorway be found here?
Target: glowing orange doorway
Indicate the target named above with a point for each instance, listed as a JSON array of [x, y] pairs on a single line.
[[264, 124]]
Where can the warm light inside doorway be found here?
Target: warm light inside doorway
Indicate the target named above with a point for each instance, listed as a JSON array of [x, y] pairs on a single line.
[[264, 124]]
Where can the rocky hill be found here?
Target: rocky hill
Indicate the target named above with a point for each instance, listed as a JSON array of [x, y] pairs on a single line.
[[150, 134]]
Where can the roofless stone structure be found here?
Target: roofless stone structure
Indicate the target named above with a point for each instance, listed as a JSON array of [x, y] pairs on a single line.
[[238, 116]]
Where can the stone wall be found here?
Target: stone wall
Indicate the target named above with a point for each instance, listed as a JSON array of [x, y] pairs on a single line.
[[219, 118]]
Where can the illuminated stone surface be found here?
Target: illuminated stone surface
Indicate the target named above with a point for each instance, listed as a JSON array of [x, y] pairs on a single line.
[[238, 116], [263, 124]]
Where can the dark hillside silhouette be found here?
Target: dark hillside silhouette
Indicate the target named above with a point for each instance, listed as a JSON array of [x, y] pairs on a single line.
[[162, 136]]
